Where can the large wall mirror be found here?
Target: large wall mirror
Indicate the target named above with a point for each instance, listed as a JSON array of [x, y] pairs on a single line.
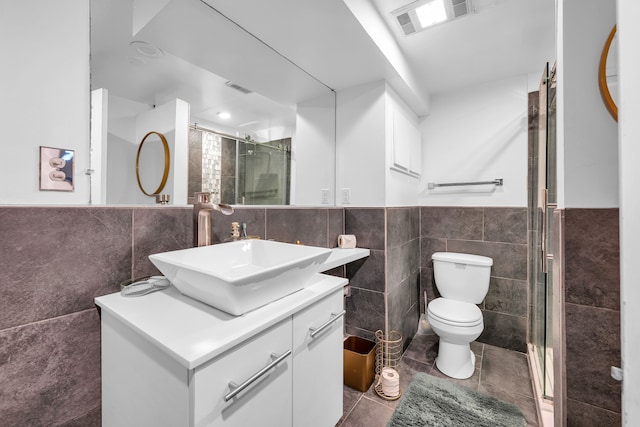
[[239, 117], [608, 74]]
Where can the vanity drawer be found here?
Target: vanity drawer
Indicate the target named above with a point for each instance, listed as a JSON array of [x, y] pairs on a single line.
[[267, 395], [317, 361]]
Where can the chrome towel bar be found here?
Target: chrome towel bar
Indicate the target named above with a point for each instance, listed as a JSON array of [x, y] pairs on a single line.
[[497, 182]]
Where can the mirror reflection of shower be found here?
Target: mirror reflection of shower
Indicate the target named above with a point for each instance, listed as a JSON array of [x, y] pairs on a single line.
[[237, 170]]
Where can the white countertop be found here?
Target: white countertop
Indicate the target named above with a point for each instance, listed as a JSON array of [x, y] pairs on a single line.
[[341, 256], [193, 333]]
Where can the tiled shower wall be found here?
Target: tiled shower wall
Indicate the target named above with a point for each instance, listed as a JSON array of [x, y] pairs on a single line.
[[212, 166], [499, 233], [55, 260], [591, 261]]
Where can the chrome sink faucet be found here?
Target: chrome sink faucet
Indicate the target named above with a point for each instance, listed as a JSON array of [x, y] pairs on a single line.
[[203, 206]]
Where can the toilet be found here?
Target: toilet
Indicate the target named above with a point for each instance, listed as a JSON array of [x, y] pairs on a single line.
[[463, 282]]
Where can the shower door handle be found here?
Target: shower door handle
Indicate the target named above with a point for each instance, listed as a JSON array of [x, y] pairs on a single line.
[[544, 193]]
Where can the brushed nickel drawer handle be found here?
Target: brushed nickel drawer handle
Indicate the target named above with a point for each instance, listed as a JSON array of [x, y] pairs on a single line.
[[235, 388], [336, 316]]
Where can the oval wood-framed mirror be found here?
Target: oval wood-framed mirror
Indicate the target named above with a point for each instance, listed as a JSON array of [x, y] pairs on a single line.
[[602, 77], [167, 163]]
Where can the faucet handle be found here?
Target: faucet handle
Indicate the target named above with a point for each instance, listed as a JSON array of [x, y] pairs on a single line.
[[203, 196]]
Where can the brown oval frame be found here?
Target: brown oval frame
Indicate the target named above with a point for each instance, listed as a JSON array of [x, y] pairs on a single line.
[[167, 163], [602, 77]]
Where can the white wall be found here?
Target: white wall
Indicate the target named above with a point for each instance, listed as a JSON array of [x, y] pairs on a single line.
[[121, 157], [629, 153], [171, 120], [99, 137], [128, 124], [477, 134], [587, 135], [313, 149], [364, 141], [46, 79], [405, 82], [360, 144]]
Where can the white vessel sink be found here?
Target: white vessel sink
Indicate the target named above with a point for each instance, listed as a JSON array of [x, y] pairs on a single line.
[[240, 276]]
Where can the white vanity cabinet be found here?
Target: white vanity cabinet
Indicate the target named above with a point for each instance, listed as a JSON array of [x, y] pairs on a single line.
[[264, 401], [168, 360], [317, 344]]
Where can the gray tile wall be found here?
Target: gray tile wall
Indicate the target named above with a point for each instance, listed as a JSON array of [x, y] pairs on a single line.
[[53, 263], [403, 271], [228, 172], [366, 307], [499, 233], [55, 260], [384, 286], [195, 164], [592, 316], [307, 226]]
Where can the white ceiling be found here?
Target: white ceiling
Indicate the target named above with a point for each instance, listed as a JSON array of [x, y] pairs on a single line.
[[503, 38], [321, 38]]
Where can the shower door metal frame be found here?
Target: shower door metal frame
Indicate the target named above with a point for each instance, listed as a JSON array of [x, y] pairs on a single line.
[[545, 205]]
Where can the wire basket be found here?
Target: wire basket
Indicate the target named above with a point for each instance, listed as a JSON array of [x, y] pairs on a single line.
[[388, 354]]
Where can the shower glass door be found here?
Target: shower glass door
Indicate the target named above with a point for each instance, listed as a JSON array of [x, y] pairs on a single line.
[[239, 171], [264, 171], [544, 202]]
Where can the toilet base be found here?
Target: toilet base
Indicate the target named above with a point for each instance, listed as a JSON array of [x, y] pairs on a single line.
[[456, 360]]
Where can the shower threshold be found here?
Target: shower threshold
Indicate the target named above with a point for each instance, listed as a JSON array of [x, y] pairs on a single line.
[[544, 404]]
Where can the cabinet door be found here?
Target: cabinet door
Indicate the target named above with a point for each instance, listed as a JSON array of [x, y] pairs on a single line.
[[317, 363], [142, 386], [266, 401], [406, 145]]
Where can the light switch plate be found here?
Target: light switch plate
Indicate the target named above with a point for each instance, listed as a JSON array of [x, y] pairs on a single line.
[[346, 196], [56, 169], [324, 196]]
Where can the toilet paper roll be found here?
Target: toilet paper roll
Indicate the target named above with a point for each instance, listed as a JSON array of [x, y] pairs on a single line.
[[390, 377], [347, 241], [390, 382], [391, 391]]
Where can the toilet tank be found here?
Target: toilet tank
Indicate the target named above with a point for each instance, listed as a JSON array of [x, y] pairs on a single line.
[[463, 277]]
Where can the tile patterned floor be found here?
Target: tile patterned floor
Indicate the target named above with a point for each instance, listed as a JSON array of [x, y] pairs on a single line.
[[499, 372]]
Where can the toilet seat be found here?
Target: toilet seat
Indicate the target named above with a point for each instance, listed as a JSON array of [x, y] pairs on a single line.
[[455, 313]]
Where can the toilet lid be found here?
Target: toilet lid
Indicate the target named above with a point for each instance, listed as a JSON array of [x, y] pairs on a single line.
[[458, 312]]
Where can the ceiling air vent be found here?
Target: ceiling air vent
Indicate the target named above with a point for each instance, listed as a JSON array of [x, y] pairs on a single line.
[[405, 23], [460, 8], [237, 87], [423, 14]]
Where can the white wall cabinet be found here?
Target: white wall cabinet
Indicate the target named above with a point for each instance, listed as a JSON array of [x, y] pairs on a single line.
[[406, 145], [292, 368]]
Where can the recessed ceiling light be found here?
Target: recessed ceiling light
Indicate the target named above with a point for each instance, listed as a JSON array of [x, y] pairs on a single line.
[[423, 14], [224, 115], [147, 49]]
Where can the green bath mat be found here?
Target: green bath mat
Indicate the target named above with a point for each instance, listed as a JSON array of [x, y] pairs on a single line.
[[433, 401]]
